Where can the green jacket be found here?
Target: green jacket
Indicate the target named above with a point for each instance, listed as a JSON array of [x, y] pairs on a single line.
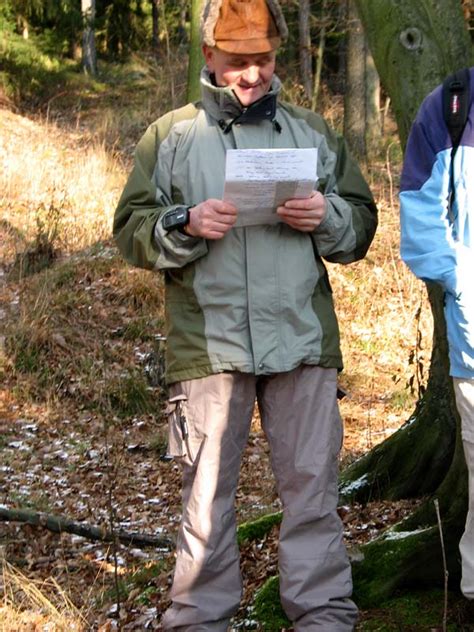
[[257, 300]]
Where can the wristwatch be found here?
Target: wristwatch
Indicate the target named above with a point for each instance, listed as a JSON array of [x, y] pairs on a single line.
[[176, 219]]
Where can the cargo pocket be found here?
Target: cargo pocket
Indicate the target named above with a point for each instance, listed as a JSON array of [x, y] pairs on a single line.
[[179, 442]]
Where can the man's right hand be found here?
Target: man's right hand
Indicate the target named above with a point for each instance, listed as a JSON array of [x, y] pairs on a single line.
[[211, 219]]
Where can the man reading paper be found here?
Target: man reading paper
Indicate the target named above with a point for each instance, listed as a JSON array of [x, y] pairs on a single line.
[[249, 317]]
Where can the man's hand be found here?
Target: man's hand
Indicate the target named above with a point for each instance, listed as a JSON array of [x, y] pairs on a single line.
[[304, 214], [211, 219]]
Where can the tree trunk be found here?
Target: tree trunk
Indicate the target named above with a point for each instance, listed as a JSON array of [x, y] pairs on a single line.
[[155, 25], [22, 26], [183, 35], [354, 97], [373, 119], [410, 554], [413, 461], [89, 59], [319, 57], [196, 60], [306, 70], [415, 45]]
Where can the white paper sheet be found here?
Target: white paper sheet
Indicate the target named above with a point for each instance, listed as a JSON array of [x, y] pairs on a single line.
[[257, 181]]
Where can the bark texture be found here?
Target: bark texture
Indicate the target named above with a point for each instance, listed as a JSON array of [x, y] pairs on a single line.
[[89, 57], [354, 98], [196, 60], [373, 131], [306, 70], [414, 45]]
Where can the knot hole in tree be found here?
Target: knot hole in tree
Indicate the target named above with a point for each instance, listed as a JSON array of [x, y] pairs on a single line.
[[411, 38]]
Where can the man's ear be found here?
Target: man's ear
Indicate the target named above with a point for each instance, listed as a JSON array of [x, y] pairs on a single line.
[[208, 53]]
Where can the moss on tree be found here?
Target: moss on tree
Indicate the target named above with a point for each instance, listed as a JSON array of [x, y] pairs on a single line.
[[258, 528]]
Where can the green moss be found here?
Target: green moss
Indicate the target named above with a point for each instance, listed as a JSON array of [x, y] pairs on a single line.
[[257, 529], [267, 607], [411, 612], [394, 561], [417, 610]]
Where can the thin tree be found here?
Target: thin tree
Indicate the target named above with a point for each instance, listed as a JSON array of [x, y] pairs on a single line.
[[355, 93], [319, 55], [89, 58], [155, 20], [196, 60], [373, 119], [306, 61]]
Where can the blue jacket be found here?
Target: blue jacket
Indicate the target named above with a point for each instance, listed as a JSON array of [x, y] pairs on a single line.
[[439, 246]]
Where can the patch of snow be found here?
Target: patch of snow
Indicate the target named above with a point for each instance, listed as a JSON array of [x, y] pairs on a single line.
[[401, 535], [154, 501], [353, 486], [19, 445]]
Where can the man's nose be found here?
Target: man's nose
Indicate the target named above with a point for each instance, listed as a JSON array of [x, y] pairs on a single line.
[[251, 74]]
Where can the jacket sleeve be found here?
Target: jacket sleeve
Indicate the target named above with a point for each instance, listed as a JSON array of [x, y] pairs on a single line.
[[349, 226], [428, 243], [137, 229], [351, 215]]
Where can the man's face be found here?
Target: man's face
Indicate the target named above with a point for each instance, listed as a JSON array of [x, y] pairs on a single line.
[[249, 76]]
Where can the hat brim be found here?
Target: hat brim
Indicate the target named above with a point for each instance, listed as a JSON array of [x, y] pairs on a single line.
[[249, 46]]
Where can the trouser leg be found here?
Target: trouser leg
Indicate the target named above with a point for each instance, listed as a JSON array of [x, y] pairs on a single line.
[[207, 586], [464, 390], [301, 420]]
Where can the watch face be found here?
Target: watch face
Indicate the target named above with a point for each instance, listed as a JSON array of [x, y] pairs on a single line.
[[176, 218]]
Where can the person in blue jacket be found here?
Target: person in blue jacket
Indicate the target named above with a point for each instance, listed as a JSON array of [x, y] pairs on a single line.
[[437, 243]]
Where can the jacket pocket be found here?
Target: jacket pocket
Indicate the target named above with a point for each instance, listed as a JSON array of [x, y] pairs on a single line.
[[179, 441]]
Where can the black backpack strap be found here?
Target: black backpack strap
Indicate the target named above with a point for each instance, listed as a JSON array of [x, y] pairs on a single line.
[[456, 100], [456, 92]]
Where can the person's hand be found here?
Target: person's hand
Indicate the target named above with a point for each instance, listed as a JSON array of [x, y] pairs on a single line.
[[304, 214], [211, 219]]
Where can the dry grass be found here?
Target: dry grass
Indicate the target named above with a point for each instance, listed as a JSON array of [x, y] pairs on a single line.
[[29, 605], [64, 185]]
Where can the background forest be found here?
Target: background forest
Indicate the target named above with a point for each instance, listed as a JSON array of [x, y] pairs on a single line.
[[82, 439]]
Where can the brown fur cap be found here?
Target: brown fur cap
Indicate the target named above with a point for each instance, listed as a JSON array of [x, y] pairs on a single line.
[[243, 26]]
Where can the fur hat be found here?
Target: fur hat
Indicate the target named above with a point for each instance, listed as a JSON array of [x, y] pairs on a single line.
[[243, 26]]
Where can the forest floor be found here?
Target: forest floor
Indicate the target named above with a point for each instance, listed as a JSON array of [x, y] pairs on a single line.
[[81, 430]]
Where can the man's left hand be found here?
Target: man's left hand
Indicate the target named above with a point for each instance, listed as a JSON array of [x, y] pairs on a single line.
[[304, 214]]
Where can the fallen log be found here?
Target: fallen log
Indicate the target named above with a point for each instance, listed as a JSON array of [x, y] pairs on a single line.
[[59, 524]]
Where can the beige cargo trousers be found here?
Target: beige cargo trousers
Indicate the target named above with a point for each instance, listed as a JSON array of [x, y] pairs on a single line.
[[209, 425], [464, 391]]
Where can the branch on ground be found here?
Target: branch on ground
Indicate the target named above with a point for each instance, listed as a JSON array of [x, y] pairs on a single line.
[[59, 524]]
